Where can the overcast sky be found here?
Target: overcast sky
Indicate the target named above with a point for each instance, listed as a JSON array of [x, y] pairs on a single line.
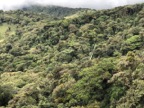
[[95, 4]]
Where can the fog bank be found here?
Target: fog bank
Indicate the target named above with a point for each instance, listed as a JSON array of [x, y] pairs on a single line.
[[94, 4]]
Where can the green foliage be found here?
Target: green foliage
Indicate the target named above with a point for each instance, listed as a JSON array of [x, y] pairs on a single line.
[[91, 84], [90, 59], [53, 11], [5, 95]]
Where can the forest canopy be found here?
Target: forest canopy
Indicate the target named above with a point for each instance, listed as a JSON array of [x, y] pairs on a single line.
[[54, 57]]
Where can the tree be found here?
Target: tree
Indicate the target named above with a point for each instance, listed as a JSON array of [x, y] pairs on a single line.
[[5, 95]]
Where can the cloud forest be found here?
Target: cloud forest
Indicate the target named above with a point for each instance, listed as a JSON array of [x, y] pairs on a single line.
[[59, 57]]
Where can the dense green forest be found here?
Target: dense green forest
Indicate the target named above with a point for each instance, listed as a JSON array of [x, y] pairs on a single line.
[[82, 59], [55, 12]]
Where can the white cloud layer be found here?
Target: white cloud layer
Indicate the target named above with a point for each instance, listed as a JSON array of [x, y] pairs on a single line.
[[95, 4]]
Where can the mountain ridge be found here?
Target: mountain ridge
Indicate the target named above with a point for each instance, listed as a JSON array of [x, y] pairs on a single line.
[[89, 59], [55, 11]]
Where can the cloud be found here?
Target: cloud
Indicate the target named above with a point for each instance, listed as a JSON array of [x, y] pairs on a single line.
[[94, 4]]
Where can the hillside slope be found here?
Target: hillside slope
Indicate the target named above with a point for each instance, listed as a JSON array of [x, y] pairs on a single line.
[[93, 60], [54, 11]]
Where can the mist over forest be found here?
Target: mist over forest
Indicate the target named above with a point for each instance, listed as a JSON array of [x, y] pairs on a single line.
[[93, 4], [72, 54]]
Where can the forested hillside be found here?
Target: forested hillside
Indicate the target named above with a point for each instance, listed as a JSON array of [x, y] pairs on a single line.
[[91, 59], [56, 12]]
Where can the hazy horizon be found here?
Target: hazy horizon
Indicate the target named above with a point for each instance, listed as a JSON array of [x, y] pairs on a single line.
[[93, 4]]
